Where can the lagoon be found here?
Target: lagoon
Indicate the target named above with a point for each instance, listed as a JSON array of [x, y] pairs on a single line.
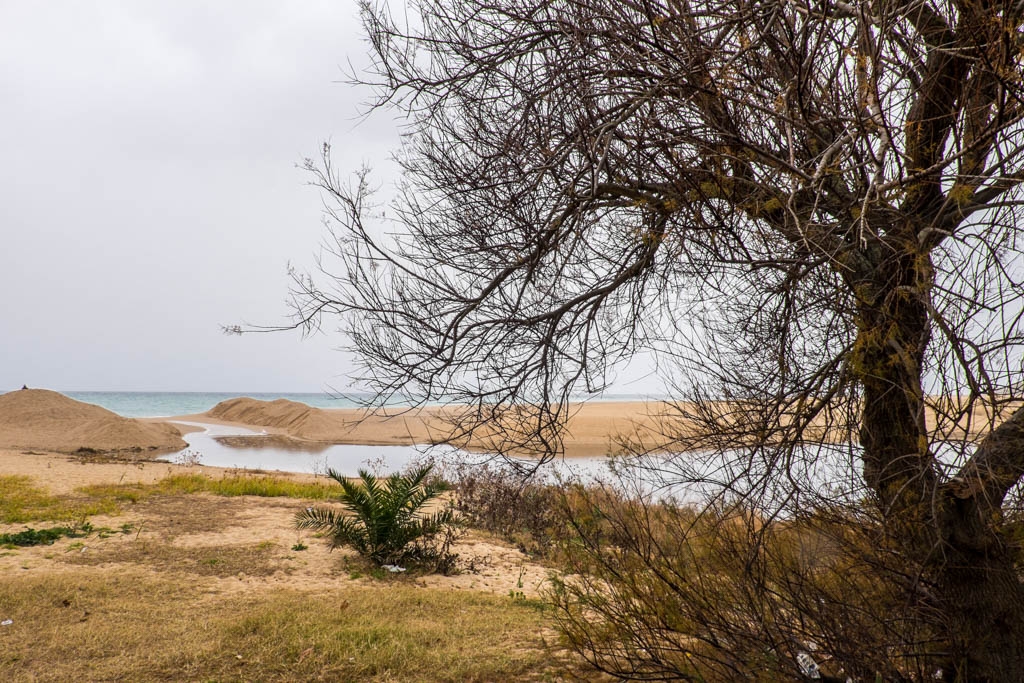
[[346, 459]]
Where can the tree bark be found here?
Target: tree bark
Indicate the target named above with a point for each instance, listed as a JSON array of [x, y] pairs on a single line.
[[967, 585], [978, 581], [980, 597], [888, 357]]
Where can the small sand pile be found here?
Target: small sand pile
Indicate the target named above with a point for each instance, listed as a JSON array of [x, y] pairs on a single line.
[[49, 421], [289, 417]]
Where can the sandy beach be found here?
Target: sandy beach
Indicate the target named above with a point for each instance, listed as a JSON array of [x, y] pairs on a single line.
[[591, 430], [62, 447], [47, 421], [216, 555], [266, 518], [80, 601], [210, 552]]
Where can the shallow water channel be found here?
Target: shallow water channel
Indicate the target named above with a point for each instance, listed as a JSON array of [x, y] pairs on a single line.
[[346, 459], [831, 470]]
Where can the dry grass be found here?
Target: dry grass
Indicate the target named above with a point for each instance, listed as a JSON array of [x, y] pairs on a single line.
[[95, 625], [251, 559], [202, 584], [170, 516]]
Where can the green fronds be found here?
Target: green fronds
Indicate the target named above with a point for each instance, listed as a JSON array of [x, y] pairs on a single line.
[[384, 520]]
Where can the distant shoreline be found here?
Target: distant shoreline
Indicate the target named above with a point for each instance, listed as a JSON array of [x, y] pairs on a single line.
[[170, 404], [590, 431], [39, 419]]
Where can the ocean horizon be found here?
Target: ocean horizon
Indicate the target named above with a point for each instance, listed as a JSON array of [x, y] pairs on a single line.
[[174, 403]]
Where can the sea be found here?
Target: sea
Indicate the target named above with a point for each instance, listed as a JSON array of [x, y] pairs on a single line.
[[171, 403]]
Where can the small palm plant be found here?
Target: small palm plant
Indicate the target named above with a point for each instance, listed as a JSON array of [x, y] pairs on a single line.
[[384, 520]]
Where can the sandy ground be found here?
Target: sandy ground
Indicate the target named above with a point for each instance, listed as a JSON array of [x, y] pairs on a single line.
[[227, 544], [41, 420], [241, 543], [37, 419], [591, 430], [46, 420], [62, 474]]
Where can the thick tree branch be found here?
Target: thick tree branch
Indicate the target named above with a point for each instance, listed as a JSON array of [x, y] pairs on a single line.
[[996, 467]]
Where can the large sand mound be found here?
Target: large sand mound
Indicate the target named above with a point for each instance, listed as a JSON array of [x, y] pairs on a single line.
[[48, 421], [590, 429], [294, 419], [338, 425]]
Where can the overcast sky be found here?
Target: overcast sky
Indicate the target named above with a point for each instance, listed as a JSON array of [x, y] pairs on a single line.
[[150, 189]]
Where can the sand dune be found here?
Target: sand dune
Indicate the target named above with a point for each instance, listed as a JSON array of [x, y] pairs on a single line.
[[48, 421], [353, 426], [590, 431], [297, 420]]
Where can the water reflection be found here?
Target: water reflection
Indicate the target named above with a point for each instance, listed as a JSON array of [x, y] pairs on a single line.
[[236, 447], [261, 441], [829, 470]]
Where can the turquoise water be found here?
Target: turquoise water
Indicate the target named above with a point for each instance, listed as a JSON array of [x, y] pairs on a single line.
[[171, 403], [168, 404]]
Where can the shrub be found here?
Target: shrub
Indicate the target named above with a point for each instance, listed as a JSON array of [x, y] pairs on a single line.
[[657, 590], [523, 511], [386, 520], [31, 537]]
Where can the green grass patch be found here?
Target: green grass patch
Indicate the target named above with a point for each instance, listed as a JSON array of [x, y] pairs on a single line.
[[21, 501], [30, 536], [234, 485], [267, 486]]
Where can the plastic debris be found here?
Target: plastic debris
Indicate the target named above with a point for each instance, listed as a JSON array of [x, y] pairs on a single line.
[[808, 667], [6, 622], [393, 568]]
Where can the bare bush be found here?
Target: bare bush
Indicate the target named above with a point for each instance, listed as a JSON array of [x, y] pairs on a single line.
[[514, 506]]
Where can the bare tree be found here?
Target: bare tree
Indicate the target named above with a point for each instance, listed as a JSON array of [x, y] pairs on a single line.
[[810, 209]]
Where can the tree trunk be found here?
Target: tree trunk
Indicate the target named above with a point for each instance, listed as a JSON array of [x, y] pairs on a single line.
[[979, 595], [979, 579], [888, 357], [966, 582]]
